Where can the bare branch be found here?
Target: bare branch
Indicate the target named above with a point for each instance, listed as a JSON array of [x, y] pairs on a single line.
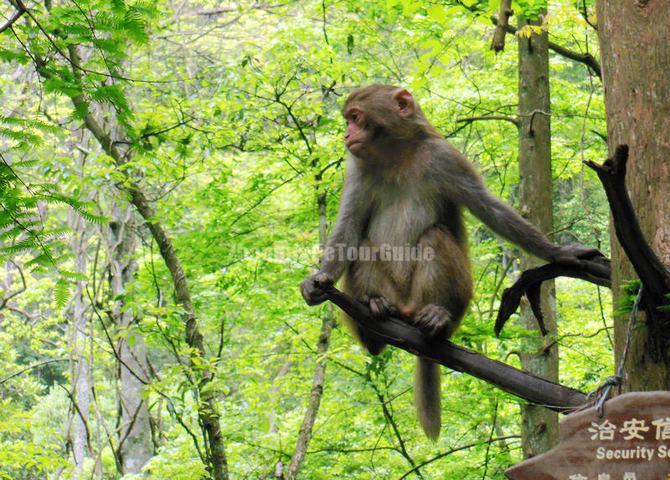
[[653, 274], [222, 10], [398, 332], [503, 118], [32, 367], [650, 269], [585, 58], [529, 283], [459, 449], [5, 300], [20, 10]]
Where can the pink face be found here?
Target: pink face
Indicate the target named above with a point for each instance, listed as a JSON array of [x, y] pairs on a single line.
[[356, 134]]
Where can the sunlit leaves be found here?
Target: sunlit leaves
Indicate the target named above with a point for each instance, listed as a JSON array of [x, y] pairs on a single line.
[[234, 145], [530, 9], [528, 31]]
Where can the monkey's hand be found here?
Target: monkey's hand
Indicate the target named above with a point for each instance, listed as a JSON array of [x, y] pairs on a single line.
[[573, 254], [314, 288]]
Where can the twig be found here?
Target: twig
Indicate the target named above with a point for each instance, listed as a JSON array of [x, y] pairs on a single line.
[[458, 449], [504, 118], [5, 300], [32, 367]]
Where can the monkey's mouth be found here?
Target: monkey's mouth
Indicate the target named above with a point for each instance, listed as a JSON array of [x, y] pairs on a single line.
[[353, 142]]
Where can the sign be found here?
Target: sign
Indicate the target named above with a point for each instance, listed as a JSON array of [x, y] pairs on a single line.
[[630, 442]]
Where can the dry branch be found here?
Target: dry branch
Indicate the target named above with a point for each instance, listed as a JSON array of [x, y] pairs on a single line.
[[397, 332], [649, 268], [653, 274], [530, 282]]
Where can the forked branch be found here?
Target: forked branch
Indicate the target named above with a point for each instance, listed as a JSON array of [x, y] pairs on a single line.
[[530, 283], [653, 274], [650, 269]]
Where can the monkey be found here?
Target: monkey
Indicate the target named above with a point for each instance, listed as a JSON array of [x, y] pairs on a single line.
[[405, 186]]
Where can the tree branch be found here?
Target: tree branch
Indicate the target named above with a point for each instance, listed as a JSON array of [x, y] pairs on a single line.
[[647, 265], [585, 58], [503, 118], [399, 333], [222, 10], [653, 274], [5, 300], [20, 10], [498, 41], [530, 282]]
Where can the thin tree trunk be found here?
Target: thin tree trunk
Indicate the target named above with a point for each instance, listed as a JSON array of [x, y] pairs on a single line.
[[78, 340], [318, 379], [208, 413], [635, 49], [135, 446], [539, 425]]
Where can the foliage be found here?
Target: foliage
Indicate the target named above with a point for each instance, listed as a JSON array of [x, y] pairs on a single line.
[[227, 118]]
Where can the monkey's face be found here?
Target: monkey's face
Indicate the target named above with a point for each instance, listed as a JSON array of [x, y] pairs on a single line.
[[357, 135]]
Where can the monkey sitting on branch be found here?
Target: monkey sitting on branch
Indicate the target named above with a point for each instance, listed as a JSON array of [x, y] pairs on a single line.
[[399, 240]]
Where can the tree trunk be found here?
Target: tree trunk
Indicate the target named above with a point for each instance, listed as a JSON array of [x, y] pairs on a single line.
[[318, 379], [635, 49], [208, 411], [135, 446], [78, 342], [539, 425]]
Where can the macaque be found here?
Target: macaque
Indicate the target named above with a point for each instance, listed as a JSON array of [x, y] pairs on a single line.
[[399, 241]]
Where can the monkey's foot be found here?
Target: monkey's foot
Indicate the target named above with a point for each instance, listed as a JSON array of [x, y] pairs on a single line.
[[380, 307], [435, 321]]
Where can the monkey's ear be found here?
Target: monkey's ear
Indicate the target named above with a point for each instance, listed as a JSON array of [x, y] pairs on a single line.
[[405, 102]]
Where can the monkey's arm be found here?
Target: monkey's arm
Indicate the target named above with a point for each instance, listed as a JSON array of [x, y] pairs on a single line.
[[348, 226], [461, 182], [354, 208]]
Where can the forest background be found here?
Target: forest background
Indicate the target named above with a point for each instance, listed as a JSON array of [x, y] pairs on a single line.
[[168, 170]]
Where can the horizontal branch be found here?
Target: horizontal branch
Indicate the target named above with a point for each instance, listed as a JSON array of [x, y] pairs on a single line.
[[503, 118], [585, 58], [236, 9], [394, 331]]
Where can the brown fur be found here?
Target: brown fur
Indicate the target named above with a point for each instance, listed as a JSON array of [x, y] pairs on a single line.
[[405, 185]]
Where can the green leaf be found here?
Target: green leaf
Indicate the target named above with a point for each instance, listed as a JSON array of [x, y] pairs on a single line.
[[62, 292], [437, 13]]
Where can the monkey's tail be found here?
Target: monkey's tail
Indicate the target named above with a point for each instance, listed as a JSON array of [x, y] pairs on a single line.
[[427, 397]]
